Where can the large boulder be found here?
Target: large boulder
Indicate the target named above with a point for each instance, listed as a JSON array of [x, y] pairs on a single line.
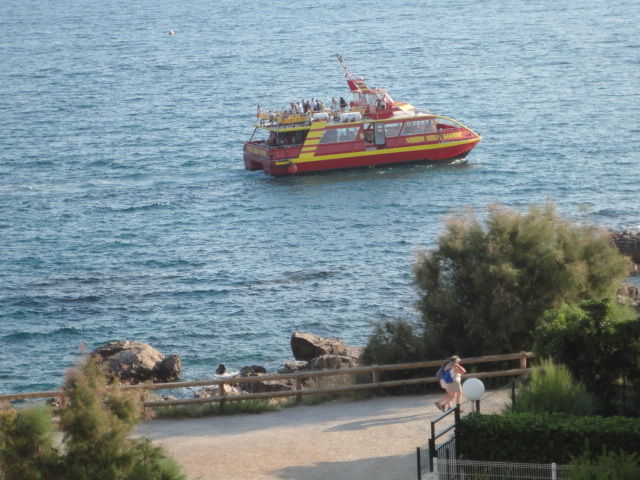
[[331, 362], [628, 243], [135, 362], [629, 295], [294, 367], [213, 391], [306, 346], [252, 370], [262, 386]]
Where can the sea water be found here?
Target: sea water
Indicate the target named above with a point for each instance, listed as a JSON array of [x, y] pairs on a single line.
[[126, 213]]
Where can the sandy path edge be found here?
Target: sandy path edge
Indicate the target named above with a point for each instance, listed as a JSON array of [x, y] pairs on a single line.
[[349, 440]]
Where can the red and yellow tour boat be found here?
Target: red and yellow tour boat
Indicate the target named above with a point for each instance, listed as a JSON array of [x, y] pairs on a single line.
[[371, 130]]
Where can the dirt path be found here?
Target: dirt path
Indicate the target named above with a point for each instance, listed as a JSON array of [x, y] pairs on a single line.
[[364, 440]]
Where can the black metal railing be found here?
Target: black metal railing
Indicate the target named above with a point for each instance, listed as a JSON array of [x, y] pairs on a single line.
[[447, 449]]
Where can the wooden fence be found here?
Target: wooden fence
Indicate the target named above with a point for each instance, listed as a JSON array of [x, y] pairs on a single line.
[[300, 378]]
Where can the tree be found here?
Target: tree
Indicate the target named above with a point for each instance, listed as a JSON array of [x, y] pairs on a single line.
[[597, 340], [485, 286], [96, 422], [393, 342]]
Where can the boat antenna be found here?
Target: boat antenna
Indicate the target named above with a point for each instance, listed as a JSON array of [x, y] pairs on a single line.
[[347, 73], [357, 83]]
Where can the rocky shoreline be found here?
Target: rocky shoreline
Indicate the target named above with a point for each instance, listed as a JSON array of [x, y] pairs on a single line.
[[134, 362], [628, 244]]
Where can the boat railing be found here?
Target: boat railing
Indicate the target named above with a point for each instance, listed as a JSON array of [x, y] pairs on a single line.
[[278, 119]]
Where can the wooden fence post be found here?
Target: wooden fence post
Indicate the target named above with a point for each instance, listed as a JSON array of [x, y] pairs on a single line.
[[223, 393], [299, 389], [375, 378]]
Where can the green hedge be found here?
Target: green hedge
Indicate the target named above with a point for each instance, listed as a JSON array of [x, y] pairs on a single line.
[[544, 438]]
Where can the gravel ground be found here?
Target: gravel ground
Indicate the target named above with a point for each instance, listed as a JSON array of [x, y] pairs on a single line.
[[347, 440]]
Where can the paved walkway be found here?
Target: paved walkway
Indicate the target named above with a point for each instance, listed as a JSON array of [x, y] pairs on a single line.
[[361, 440]]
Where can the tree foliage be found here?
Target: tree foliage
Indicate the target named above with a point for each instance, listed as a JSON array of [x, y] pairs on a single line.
[[27, 448], [393, 342], [598, 340], [96, 423], [484, 287], [608, 465]]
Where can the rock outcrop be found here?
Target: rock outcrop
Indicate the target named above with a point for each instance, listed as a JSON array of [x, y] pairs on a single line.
[[628, 294], [306, 346], [331, 362], [136, 362], [311, 352], [628, 244]]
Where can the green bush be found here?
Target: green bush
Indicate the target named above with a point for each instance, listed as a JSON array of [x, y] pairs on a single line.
[[597, 340], [226, 408], [96, 423], [552, 389], [393, 342], [608, 466], [27, 449], [543, 438]]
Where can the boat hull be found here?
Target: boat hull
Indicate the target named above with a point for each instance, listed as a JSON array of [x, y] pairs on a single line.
[[256, 159]]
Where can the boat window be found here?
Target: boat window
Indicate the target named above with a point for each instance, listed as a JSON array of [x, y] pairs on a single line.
[[367, 128], [259, 135], [392, 129], [299, 136], [329, 136], [347, 134], [286, 139], [418, 127]]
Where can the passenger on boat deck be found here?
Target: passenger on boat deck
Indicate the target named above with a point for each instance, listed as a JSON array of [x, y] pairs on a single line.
[[343, 104], [334, 104]]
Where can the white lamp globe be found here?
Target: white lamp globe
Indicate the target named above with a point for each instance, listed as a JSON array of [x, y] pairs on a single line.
[[473, 389]]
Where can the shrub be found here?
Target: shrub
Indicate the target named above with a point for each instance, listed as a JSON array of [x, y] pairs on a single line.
[[552, 389], [608, 466], [226, 408], [393, 342], [27, 449], [96, 423], [543, 438], [598, 340]]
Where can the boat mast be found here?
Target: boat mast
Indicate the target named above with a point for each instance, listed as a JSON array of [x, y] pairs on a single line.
[[347, 73], [360, 89]]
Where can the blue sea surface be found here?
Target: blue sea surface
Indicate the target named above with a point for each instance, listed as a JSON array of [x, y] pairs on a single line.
[[126, 212]]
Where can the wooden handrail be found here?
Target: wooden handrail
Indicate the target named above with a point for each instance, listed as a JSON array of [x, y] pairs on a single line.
[[298, 377]]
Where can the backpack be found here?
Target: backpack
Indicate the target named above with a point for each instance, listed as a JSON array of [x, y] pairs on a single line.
[[440, 373], [447, 377]]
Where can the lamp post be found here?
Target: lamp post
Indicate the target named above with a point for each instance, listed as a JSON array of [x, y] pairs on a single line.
[[473, 389]]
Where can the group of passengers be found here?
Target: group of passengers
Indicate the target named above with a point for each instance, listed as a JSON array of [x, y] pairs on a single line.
[[316, 105]]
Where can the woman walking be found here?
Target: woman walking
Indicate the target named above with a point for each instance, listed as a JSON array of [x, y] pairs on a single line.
[[451, 381]]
